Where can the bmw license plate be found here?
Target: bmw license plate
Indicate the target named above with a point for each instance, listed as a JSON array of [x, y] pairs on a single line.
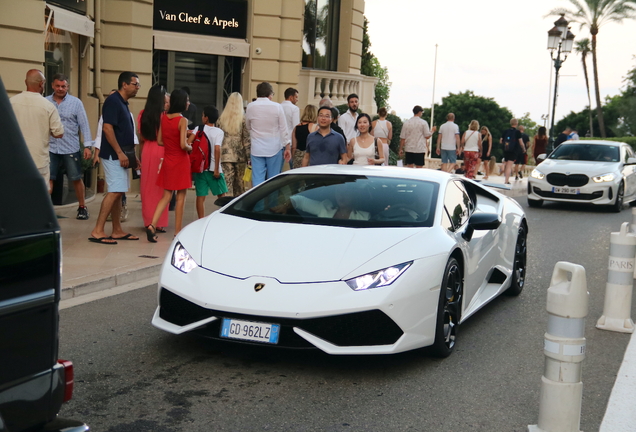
[[566, 190], [250, 331]]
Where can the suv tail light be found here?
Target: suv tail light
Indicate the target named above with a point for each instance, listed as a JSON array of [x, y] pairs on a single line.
[[68, 379]]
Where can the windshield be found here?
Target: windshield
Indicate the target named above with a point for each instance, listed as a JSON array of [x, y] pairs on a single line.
[[586, 152], [341, 200]]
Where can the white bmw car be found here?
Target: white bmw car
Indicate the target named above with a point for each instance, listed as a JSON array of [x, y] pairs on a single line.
[[587, 172], [346, 259]]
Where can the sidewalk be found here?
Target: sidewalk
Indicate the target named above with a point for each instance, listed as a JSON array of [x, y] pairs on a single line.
[[90, 267]]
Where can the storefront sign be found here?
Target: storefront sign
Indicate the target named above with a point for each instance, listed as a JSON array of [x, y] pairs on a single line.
[[226, 18], [78, 6]]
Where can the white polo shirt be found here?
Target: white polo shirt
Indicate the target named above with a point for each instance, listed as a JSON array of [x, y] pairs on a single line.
[[448, 131]]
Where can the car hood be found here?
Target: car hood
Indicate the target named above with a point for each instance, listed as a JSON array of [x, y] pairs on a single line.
[[577, 167], [292, 253]]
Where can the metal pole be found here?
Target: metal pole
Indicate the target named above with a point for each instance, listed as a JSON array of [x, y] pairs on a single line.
[[434, 78], [557, 66]]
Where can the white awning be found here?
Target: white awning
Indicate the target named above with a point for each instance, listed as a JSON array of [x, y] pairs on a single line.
[[171, 41], [71, 21]]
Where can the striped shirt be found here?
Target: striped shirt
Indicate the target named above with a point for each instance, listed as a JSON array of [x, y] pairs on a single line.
[[74, 120]]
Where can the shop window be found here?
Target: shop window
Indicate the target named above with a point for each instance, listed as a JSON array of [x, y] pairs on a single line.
[[320, 34], [58, 46]]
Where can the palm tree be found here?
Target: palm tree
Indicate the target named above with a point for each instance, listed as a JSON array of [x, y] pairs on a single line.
[[592, 14], [583, 47]]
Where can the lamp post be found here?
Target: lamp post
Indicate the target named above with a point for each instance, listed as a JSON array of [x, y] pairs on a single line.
[[560, 39]]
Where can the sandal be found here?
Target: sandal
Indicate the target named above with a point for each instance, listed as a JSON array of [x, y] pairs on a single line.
[[151, 234], [160, 230]]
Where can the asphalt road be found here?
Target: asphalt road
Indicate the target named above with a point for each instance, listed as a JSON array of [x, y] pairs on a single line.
[[133, 377]]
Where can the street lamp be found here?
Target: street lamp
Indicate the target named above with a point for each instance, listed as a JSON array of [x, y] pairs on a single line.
[[560, 39]]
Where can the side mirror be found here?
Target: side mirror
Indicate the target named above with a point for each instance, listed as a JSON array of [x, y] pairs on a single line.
[[480, 222], [222, 201], [631, 161], [541, 158]]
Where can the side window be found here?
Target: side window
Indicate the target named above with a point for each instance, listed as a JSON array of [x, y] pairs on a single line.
[[629, 153], [458, 204]]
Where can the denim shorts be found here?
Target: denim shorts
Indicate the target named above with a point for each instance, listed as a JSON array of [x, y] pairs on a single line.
[[116, 177], [449, 156], [72, 162]]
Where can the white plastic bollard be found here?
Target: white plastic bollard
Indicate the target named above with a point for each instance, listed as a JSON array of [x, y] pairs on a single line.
[[564, 349], [620, 283], [632, 229]]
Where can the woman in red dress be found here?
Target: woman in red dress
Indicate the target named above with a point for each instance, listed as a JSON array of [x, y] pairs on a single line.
[[148, 122], [174, 174], [540, 143]]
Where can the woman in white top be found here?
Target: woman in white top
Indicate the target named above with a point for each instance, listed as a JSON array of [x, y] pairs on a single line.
[[471, 145], [383, 131], [362, 149]]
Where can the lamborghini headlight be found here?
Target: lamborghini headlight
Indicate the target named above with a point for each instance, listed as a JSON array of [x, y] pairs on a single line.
[[182, 260], [537, 174], [380, 278], [604, 178]]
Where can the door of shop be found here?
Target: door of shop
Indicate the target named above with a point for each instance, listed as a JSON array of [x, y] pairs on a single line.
[[211, 78]]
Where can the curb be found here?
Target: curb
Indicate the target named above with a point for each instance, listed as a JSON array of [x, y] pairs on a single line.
[[110, 282]]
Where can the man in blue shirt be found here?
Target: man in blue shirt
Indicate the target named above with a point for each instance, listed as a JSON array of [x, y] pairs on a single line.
[[66, 150], [325, 146], [118, 132]]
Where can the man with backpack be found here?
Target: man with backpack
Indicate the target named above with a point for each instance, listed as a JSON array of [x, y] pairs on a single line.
[[205, 159], [512, 142]]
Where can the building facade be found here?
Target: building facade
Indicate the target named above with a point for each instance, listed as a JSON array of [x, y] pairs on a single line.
[[213, 47]]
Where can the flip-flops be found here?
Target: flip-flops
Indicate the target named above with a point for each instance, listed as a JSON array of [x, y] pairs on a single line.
[[126, 237], [151, 234], [102, 240]]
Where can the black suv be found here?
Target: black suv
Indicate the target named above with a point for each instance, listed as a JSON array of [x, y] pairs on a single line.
[[34, 383]]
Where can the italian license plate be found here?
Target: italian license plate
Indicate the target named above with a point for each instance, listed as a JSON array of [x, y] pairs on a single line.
[[566, 190], [250, 331]]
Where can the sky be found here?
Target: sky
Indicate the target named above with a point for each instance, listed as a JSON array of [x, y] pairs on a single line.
[[496, 48]]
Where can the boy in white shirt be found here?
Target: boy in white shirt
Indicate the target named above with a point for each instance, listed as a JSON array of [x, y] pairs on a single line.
[[212, 179]]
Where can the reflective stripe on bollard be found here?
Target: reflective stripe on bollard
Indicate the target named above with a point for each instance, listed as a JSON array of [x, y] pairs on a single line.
[[564, 350], [620, 283]]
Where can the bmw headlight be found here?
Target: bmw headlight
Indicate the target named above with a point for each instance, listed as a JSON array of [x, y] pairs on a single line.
[[537, 174], [182, 260], [380, 278], [604, 178]]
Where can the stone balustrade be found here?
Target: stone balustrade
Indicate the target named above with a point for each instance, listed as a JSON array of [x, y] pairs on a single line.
[[316, 84]]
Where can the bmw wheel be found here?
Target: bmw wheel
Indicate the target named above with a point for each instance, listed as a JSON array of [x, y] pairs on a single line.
[[519, 265], [448, 310], [535, 203], [620, 195]]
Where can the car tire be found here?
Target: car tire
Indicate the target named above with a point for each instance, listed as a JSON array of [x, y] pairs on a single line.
[[620, 196], [535, 203], [448, 310], [519, 263]]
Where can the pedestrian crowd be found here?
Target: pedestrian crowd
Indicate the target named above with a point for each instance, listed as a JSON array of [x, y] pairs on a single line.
[[227, 148]]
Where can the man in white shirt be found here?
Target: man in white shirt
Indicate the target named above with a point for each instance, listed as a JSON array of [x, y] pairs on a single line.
[[39, 120], [413, 138], [347, 121], [265, 119], [448, 137], [292, 112]]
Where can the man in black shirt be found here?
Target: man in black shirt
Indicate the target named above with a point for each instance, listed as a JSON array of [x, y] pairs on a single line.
[[522, 156], [563, 136], [511, 140]]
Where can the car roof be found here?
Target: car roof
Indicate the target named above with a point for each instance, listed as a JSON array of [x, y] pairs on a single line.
[[436, 176], [599, 142]]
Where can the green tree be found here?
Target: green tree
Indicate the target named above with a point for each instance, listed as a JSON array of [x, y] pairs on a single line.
[[582, 47], [371, 66], [592, 14], [467, 106]]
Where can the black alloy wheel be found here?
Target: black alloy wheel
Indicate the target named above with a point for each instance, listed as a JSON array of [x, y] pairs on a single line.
[[519, 265], [448, 310], [620, 195]]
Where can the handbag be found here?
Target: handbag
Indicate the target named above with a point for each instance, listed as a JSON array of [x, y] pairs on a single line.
[[247, 177], [129, 151]]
